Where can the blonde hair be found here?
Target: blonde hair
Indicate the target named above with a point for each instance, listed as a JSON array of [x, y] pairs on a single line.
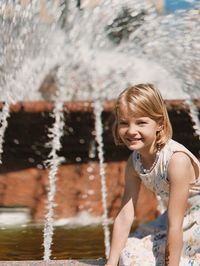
[[144, 100]]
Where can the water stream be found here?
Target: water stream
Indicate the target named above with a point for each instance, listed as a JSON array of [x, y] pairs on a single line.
[[53, 162], [4, 122], [98, 108]]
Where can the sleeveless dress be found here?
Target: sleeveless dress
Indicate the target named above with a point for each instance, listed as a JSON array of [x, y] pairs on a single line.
[[146, 246]]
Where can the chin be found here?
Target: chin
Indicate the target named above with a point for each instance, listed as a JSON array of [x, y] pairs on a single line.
[[133, 147]]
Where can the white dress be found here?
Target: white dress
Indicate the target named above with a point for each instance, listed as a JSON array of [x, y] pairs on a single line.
[[146, 246]]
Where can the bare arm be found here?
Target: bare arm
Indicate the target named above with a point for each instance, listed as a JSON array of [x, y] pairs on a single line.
[[124, 219], [180, 173]]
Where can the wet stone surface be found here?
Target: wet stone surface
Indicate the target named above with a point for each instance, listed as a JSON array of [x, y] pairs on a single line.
[[99, 262]]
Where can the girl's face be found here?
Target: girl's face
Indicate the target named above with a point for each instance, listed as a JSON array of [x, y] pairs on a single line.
[[137, 133]]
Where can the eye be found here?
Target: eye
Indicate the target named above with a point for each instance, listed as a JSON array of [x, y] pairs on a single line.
[[123, 123], [141, 122]]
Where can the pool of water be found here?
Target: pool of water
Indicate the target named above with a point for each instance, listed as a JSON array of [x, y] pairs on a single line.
[[25, 243]]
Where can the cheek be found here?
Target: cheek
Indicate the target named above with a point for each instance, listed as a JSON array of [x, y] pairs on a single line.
[[150, 131], [121, 131]]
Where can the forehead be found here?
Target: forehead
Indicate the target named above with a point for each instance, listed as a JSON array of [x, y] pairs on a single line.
[[127, 111]]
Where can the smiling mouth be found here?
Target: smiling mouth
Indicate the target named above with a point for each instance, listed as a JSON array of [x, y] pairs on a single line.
[[134, 139]]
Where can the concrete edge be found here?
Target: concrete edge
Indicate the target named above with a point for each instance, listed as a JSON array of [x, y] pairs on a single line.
[[81, 262]]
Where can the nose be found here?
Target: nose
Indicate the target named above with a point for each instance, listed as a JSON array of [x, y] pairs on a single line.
[[132, 129]]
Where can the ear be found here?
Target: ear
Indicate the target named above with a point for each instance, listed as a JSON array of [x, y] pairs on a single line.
[[160, 126]]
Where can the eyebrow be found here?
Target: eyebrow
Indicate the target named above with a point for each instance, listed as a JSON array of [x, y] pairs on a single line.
[[122, 119], [142, 117]]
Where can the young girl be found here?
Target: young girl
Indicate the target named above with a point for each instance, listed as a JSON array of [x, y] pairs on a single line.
[[165, 167]]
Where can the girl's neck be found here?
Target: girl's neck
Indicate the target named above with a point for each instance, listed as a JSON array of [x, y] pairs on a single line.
[[149, 159], [148, 156], [149, 152]]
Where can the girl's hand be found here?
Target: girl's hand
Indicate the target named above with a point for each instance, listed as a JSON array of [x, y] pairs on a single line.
[[110, 264]]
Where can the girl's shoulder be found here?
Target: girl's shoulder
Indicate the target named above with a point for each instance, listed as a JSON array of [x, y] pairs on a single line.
[[173, 146]]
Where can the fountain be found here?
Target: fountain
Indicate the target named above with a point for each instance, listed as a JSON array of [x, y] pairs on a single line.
[[47, 55]]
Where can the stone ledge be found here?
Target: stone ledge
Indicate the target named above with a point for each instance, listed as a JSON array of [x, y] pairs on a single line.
[[99, 262], [84, 106]]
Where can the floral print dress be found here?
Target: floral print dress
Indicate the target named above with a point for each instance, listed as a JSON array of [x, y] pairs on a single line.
[[146, 246]]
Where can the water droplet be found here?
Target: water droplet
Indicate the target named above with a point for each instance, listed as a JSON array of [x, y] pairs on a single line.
[[71, 129], [16, 141], [90, 192], [78, 159], [31, 160], [91, 177], [39, 166], [90, 169]]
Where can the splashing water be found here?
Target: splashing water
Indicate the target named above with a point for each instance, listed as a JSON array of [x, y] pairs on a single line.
[[55, 134], [27, 42], [3, 121], [98, 108], [149, 44], [122, 42]]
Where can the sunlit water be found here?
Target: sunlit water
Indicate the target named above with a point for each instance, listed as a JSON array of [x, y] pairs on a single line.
[[101, 58], [69, 243]]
